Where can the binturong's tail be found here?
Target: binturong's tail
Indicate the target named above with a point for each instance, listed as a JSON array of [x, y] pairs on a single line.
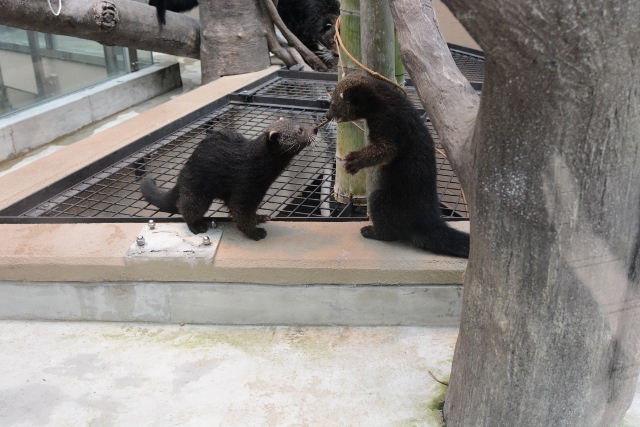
[[442, 239], [163, 200]]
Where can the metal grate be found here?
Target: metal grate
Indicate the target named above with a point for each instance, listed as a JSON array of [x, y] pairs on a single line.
[[303, 191], [471, 66]]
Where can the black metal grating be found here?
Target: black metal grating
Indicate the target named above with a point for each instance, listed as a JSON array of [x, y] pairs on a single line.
[[286, 88], [471, 66], [302, 192]]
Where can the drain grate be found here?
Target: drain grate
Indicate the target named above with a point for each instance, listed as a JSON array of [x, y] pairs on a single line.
[[109, 190]]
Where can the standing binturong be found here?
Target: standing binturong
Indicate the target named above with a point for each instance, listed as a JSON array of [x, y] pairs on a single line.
[[405, 206]]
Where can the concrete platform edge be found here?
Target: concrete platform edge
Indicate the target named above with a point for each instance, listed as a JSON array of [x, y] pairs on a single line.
[[233, 303]]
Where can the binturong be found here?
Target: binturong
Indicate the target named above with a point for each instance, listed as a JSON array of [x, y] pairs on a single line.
[[236, 170], [405, 207]]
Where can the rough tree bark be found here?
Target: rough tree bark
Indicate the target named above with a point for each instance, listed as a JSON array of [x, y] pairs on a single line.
[[113, 23], [233, 41], [549, 332]]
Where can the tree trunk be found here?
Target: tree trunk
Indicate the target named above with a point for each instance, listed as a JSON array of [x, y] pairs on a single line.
[[112, 23], [549, 332], [234, 41], [349, 188]]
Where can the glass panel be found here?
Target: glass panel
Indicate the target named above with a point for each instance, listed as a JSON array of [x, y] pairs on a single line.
[[35, 67], [145, 58]]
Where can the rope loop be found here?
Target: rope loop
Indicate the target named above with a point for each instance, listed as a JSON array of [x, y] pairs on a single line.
[[59, 7]]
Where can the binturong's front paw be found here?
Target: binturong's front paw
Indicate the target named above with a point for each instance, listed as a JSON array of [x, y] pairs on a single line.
[[351, 163], [256, 233]]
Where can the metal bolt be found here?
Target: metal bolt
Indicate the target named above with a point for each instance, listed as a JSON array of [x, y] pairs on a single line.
[[140, 240], [206, 241], [152, 225]]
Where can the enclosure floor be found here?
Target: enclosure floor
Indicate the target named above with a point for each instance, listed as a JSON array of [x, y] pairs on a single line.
[[136, 374], [115, 374]]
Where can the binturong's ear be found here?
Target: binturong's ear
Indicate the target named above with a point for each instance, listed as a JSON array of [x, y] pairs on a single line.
[[350, 94], [274, 136]]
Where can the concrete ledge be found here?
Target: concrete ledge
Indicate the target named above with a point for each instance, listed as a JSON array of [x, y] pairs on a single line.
[[293, 253], [41, 124], [233, 304]]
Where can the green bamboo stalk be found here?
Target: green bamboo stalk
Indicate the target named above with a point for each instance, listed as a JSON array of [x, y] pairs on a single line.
[[378, 53], [349, 188], [399, 65]]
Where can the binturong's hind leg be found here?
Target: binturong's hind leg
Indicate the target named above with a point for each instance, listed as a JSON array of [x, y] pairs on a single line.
[[247, 221], [381, 211], [193, 208]]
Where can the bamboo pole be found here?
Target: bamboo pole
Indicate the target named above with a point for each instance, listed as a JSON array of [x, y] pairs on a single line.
[[399, 65], [378, 53], [349, 188]]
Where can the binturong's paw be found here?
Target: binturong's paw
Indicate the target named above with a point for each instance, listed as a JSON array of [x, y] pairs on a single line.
[[351, 163], [260, 234], [198, 227], [368, 232], [256, 234]]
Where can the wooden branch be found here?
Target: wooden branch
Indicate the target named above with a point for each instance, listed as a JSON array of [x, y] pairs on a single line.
[[448, 98], [275, 46], [112, 23], [308, 56], [277, 49]]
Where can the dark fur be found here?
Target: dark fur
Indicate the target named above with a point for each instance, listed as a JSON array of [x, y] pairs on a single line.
[[236, 170], [313, 22], [171, 5], [405, 207]]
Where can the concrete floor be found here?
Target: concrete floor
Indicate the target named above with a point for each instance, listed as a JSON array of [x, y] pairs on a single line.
[[137, 374], [113, 374]]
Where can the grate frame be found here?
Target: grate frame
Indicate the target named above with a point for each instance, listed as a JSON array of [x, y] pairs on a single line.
[[108, 190]]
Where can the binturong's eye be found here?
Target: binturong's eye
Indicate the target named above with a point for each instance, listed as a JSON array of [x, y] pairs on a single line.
[[300, 131], [328, 26]]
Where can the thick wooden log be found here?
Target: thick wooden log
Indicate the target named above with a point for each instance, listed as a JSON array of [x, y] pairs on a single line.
[[112, 23]]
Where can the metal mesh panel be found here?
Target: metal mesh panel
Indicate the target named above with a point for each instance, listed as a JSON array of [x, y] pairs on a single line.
[[471, 66], [292, 88], [302, 191]]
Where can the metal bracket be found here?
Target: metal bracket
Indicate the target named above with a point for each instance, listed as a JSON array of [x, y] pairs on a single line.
[[174, 241]]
